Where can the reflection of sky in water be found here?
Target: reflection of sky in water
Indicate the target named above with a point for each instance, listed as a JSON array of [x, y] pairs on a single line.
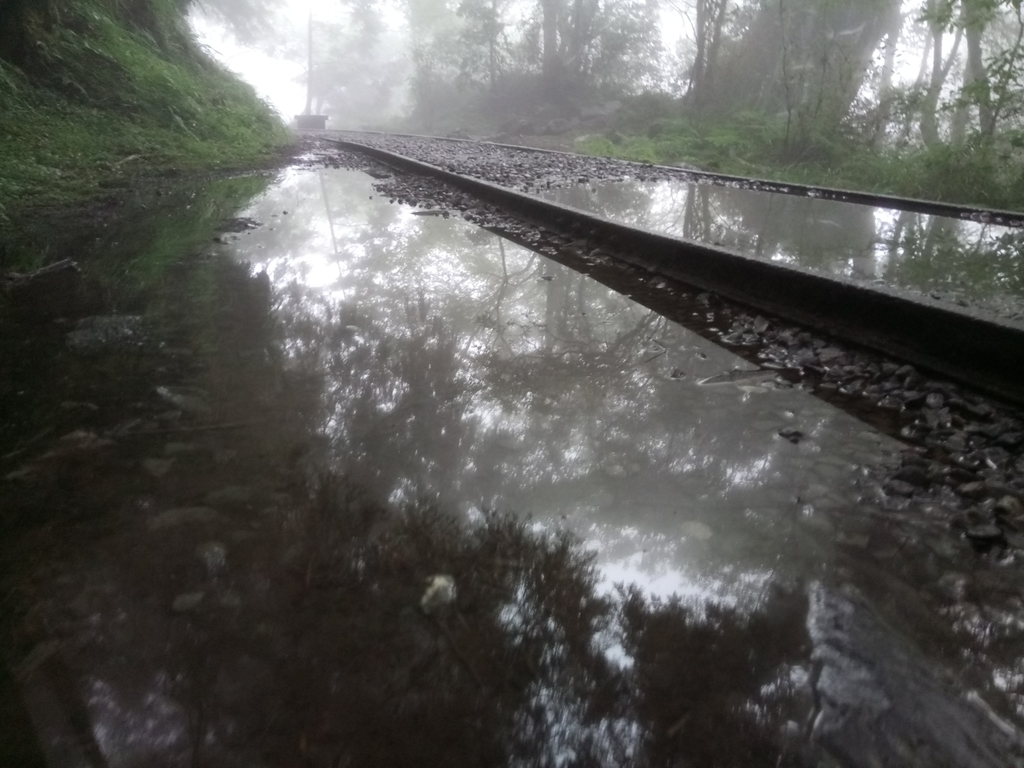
[[497, 378], [965, 259]]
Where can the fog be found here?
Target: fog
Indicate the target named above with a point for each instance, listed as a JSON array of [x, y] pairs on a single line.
[[898, 75]]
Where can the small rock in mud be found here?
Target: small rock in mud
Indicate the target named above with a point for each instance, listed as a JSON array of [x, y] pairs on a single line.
[[239, 224], [1009, 506], [22, 473], [181, 515], [985, 533], [899, 488], [188, 399], [94, 334], [76, 442], [187, 601], [439, 594], [793, 435]]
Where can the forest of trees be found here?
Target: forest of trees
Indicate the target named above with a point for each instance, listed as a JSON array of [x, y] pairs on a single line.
[[938, 84]]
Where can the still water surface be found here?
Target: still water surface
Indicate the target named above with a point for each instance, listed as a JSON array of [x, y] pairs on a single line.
[[971, 263], [227, 515]]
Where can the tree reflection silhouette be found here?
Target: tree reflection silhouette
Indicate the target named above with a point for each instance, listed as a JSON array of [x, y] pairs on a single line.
[[337, 664], [967, 259]]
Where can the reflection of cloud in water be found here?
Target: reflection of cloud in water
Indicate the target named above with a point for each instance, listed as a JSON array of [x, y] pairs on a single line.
[[478, 382]]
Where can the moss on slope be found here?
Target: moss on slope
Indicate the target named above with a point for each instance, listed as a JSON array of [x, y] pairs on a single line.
[[97, 92]]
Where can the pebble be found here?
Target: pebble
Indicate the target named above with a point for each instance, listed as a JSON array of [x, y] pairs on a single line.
[[972, 490], [1009, 506], [985, 533]]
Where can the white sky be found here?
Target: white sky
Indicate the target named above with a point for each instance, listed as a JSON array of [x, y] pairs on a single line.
[[276, 79]]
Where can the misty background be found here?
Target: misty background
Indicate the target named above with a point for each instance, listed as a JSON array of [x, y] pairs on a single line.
[[802, 75]]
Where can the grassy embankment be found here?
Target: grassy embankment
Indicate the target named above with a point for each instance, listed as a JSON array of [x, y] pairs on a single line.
[[97, 93], [754, 145]]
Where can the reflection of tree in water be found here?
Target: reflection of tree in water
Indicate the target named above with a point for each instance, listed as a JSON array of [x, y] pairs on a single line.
[[924, 252], [453, 366], [333, 661], [975, 260], [714, 691]]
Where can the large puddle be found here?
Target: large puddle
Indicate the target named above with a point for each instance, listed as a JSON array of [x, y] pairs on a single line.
[[356, 485], [970, 263]]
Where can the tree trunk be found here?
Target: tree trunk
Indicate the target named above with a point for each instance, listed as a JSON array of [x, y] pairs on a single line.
[[696, 86], [309, 67], [492, 52], [550, 64], [940, 70], [711, 58], [892, 39]]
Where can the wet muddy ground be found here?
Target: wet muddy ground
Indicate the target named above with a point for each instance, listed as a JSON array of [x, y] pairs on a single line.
[[296, 475]]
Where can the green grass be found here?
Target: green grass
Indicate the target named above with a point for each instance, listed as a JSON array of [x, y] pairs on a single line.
[[103, 102], [990, 175]]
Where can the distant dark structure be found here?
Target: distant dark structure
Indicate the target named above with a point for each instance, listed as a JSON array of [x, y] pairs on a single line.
[[308, 121], [311, 122]]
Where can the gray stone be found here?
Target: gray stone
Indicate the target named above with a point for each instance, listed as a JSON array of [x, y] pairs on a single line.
[[1009, 506]]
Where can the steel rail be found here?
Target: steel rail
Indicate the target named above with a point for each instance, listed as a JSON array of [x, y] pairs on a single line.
[[914, 205], [960, 343]]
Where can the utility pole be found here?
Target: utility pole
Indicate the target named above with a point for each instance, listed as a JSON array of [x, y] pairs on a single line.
[[309, 65]]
